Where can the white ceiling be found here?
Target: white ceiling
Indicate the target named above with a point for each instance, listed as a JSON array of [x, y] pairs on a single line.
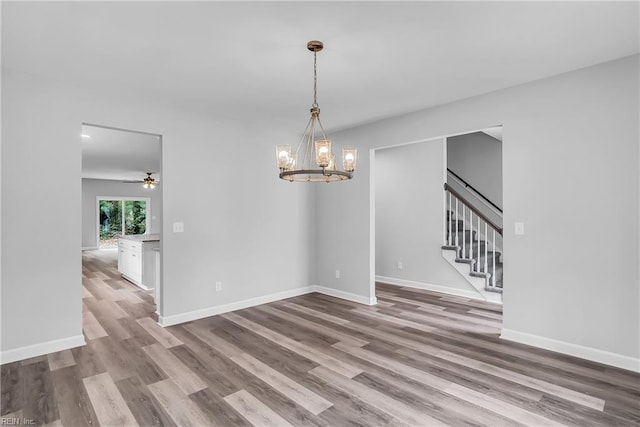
[[248, 60], [119, 155]]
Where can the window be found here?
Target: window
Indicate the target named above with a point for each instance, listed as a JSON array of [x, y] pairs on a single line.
[[120, 216]]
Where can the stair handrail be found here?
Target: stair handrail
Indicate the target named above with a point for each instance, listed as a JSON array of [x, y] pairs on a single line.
[[467, 185], [460, 197]]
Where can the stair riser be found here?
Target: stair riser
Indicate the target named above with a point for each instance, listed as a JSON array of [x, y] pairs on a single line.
[[466, 254]]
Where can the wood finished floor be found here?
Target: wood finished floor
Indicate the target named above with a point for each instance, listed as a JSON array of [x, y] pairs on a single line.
[[416, 359]]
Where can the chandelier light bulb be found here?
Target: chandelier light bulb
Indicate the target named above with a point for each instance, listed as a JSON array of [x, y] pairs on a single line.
[[283, 156], [323, 152], [349, 158]]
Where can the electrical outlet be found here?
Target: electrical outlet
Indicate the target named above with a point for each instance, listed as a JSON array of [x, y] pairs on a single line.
[[400, 266], [178, 227], [218, 286], [337, 274]]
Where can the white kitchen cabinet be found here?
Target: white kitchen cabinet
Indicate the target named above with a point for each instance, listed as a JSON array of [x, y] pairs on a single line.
[[137, 260]]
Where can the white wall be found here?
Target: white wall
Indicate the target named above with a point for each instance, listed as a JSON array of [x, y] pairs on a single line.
[[92, 188], [409, 216], [569, 141], [477, 158], [246, 228]]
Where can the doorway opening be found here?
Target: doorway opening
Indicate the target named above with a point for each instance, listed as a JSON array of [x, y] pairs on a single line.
[[121, 226], [411, 226]]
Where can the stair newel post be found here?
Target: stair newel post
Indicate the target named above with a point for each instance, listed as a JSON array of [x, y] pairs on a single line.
[[486, 244], [471, 234], [493, 275], [478, 251], [449, 220], [457, 221], [464, 230]]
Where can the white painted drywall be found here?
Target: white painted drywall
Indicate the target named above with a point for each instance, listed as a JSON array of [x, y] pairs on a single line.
[[570, 145], [243, 225], [409, 215], [477, 158], [92, 188]]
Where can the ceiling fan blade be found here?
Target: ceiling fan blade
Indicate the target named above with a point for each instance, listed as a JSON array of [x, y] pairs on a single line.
[[133, 182]]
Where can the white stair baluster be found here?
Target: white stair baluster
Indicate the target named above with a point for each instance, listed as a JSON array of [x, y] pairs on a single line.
[[456, 221], [449, 220], [493, 274], [470, 234], [478, 251], [464, 232], [486, 244]]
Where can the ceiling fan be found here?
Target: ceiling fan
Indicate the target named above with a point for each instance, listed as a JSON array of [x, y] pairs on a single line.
[[147, 182]]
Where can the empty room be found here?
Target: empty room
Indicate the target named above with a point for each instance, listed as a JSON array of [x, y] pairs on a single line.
[[361, 213]]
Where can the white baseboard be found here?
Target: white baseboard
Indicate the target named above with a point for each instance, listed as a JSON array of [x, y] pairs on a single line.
[[588, 353], [34, 350], [90, 248], [225, 308], [430, 287], [346, 295], [265, 299]]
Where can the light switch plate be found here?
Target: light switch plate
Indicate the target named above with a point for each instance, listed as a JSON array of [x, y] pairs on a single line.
[[519, 228], [178, 227]]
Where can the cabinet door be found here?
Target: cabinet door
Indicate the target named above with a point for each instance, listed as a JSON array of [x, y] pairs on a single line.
[[135, 266], [122, 259]]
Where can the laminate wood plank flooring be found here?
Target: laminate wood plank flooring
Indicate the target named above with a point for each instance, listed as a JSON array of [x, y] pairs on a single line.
[[60, 360], [418, 358], [72, 398], [178, 405], [294, 391], [107, 401], [303, 350], [158, 332], [255, 411], [316, 327], [184, 377], [91, 327]]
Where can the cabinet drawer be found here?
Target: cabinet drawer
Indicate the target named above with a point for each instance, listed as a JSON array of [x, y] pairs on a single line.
[[130, 244], [135, 246]]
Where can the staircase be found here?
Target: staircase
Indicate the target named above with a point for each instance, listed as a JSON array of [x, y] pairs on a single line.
[[470, 246]]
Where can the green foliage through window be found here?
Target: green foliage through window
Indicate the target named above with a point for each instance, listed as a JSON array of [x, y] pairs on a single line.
[[114, 212], [135, 216]]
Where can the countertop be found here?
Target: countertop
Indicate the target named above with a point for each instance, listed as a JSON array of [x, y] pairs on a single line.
[[142, 237]]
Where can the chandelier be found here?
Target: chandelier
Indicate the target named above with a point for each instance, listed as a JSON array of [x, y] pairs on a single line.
[[313, 159]]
